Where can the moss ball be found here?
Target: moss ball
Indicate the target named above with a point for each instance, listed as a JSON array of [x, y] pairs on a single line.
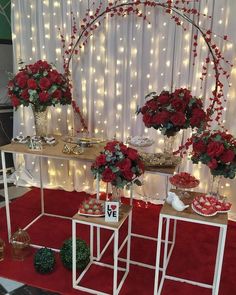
[[82, 254], [44, 260]]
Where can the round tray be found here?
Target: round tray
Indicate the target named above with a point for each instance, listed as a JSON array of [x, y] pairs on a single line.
[[200, 213], [91, 215], [79, 140]]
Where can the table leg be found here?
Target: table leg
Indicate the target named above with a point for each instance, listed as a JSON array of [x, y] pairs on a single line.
[[166, 246], [91, 243], [41, 183], [98, 229], [73, 254], [219, 259], [129, 241], [115, 262], [4, 173], [158, 252]]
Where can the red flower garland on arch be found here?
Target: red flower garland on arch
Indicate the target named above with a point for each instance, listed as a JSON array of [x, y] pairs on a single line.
[[179, 12]]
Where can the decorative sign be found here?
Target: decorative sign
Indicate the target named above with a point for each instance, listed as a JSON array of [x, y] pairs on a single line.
[[111, 211]]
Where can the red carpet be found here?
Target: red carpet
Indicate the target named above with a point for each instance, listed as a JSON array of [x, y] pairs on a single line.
[[193, 256]]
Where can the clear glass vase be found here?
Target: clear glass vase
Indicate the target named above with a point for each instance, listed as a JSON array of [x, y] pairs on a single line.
[[116, 194], [169, 144], [40, 119], [215, 186]]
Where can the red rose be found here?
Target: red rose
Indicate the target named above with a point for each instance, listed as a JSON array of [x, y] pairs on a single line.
[[178, 104], [144, 109], [108, 175], [147, 120], [53, 76], [227, 156], [124, 165], [185, 94], [43, 96], [132, 154], [212, 164], [25, 94], [123, 148], [215, 149], [44, 83], [128, 175], [101, 160], [33, 69], [32, 84], [21, 81], [199, 147], [57, 94], [198, 115], [110, 146], [152, 104], [15, 101], [161, 118], [141, 165], [178, 119], [163, 99]]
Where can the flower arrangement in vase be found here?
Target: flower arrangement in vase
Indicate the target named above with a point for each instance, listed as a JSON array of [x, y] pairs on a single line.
[[39, 85], [171, 112], [119, 165], [216, 149]]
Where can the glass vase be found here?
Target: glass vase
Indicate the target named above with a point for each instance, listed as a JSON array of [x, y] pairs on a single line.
[[116, 194], [215, 186], [40, 120], [169, 141]]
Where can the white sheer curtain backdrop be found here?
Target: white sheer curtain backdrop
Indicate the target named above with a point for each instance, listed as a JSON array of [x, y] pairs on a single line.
[[125, 59]]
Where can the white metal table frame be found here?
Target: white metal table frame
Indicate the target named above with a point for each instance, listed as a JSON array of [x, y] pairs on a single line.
[[167, 255], [134, 262], [95, 260], [42, 213]]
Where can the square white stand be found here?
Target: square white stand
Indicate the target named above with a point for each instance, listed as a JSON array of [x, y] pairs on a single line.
[[169, 214], [99, 223]]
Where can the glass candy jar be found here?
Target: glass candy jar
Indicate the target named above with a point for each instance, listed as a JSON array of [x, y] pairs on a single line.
[[20, 242]]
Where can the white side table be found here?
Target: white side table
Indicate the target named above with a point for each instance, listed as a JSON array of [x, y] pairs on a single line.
[[99, 222], [188, 215]]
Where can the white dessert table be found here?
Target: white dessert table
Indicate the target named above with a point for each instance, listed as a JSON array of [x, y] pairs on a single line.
[[99, 222], [170, 215]]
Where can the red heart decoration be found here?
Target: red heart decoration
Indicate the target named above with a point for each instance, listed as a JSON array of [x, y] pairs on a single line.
[[113, 207]]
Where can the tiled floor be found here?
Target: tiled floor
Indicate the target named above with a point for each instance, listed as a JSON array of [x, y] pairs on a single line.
[[9, 287]]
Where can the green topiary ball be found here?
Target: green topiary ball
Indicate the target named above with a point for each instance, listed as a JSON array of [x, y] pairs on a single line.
[[44, 260], [82, 254]]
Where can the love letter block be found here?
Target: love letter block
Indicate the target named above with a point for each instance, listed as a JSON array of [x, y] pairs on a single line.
[[111, 211]]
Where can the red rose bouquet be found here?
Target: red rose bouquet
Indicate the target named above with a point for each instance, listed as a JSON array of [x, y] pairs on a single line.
[[118, 164], [216, 149], [40, 85], [171, 112]]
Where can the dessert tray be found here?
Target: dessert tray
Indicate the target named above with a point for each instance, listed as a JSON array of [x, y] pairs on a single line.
[[92, 208], [159, 159], [44, 140], [140, 141], [184, 180], [207, 205], [82, 140]]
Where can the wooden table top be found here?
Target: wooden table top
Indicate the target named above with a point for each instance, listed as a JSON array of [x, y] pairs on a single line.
[[220, 218], [89, 154], [123, 214]]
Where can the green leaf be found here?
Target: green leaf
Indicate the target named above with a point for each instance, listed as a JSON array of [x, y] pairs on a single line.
[[150, 94]]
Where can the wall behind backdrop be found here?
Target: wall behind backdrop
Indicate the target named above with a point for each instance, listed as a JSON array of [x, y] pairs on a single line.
[[124, 60]]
